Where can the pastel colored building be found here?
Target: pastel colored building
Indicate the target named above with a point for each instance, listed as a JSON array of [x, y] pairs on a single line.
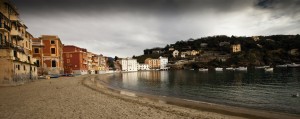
[[129, 64], [163, 63], [175, 53], [142, 67], [236, 48], [75, 60], [17, 64], [48, 50], [153, 63]]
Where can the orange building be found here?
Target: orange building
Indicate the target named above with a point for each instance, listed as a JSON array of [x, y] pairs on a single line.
[[47, 49], [75, 60], [153, 63]]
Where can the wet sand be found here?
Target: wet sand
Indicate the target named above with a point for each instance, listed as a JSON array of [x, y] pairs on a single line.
[[80, 97]]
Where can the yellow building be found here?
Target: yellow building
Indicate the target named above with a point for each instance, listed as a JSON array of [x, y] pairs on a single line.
[[236, 48], [153, 63], [17, 64]]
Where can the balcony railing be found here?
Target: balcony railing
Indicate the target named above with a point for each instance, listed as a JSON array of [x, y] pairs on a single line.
[[4, 27], [17, 35], [7, 45]]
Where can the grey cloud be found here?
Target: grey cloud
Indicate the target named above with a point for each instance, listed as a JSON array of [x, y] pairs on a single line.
[[126, 27]]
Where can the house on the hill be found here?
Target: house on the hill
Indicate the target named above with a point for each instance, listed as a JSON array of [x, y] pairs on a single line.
[[236, 48], [175, 53]]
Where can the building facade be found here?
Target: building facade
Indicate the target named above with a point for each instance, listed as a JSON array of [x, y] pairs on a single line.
[[129, 64], [163, 63], [17, 64], [175, 53], [236, 48], [50, 55], [142, 67], [153, 63], [75, 60]]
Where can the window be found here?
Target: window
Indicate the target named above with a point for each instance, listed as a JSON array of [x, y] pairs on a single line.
[[52, 50], [15, 54], [70, 55], [68, 60], [67, 55], [38, 63], [0, 38], [52, 42], [18, 66], [36, 50], [24, 67], [53, 63]]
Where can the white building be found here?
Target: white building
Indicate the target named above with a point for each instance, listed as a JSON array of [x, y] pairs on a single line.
[[163, 63], [129, 64], [175, 53], [142, 67]]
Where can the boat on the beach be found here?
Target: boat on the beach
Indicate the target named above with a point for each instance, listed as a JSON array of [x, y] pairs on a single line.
[[241, 68], [282, 65], [203, 69], [269, 69], [218, 69], [293, 65]]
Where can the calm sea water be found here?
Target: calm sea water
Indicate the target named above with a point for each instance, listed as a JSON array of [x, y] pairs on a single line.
[[253, 88]]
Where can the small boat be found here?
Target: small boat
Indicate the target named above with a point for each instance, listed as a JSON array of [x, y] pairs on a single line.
[[295, 95], [282, 66], [218, 69], [241, 68], [293, 65], [192, 69], [230, 68], [269, 69], [261, 67], [203, 69]]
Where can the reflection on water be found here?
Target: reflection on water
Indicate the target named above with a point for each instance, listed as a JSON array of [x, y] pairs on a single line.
[[254, 88]]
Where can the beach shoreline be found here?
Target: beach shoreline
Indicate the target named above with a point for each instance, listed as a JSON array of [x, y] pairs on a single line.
[[81, 97]]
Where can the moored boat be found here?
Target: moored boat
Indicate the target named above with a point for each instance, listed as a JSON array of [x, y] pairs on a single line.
[[261, 67], [218, 69], [203, 69], [293, 65], [269, 69], [241, 68], [282, 65], [230, 68]]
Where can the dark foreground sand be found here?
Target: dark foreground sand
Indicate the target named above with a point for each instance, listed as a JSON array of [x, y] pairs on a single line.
[[67, 97]]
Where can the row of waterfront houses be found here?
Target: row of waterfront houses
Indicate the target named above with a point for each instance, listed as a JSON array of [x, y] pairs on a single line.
[[129, 64], [23, 57]]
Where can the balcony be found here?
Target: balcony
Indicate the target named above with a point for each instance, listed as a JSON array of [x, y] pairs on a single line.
[[4, 28], [16, 35]]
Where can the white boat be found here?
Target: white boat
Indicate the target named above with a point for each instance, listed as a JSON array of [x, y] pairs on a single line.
[[269, 69], [241, 68], [261, 67], [203, 69], [293, 65], [283, 65], [218, 69], [230, 68]]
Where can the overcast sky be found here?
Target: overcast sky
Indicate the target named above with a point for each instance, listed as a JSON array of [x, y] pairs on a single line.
[[126, 27]]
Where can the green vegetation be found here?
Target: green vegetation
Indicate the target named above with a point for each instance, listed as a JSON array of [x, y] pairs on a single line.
[[260, 50]]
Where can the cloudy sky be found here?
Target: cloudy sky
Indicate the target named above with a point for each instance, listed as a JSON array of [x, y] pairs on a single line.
[[127, 27]]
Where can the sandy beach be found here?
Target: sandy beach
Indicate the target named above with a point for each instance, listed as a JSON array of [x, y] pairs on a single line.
[[80, 97]]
